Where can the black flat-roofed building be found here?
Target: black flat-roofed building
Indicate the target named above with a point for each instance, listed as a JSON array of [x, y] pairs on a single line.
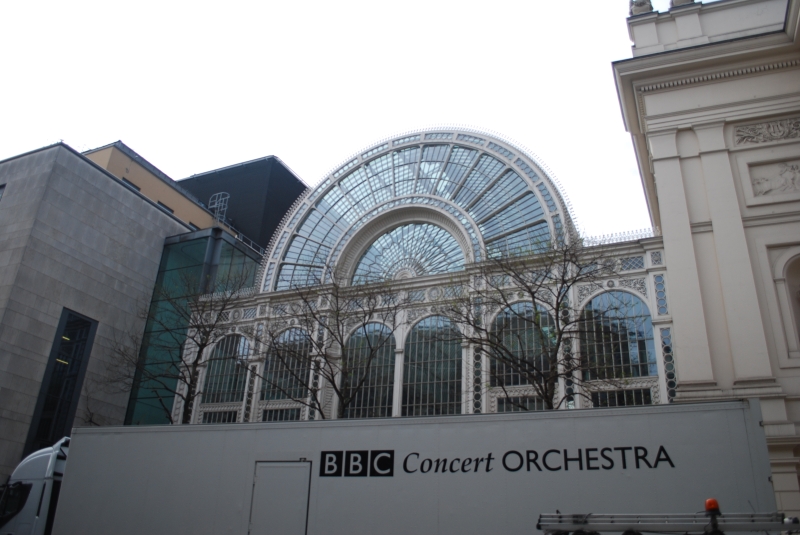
[[261, 192]]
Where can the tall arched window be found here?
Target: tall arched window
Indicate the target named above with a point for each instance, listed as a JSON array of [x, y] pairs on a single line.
[[522, 342], [617, 338], [287, 367], [370, 358], [432, 369], [225, 379]]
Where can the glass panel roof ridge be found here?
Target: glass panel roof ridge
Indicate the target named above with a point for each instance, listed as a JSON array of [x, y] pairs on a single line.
[[477, 176], [432, 134]]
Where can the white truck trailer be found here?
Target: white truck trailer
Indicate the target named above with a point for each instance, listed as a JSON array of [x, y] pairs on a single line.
[[444, 475]]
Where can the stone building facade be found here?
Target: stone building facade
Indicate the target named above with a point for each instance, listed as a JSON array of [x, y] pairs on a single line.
[[711, 99]]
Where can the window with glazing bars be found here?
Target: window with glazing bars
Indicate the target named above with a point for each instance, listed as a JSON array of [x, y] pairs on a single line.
[[521, 344], [432, 369], [369, 357], [280, 415], [286, 370], [220, 417], [225, 380], [519, 404], [633, 262], [421, 248], [616, 336], [61, 386], [622, 398]]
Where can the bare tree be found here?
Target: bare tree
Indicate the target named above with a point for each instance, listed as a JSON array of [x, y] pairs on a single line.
[[183, 322], [520, 311], [330, 347], [88, 415]]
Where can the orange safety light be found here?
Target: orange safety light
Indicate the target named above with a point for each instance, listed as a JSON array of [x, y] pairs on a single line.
[[712, 507]]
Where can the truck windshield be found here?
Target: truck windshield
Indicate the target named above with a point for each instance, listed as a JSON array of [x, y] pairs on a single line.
[[14, 497]]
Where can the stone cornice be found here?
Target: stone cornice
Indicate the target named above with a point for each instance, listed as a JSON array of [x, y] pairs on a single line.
[[720, 75]]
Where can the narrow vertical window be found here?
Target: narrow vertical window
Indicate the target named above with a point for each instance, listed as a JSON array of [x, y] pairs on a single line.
[[287, 366], [526, 336], [432, 369], [369, 362], [63, 378], [225, 380], [2, 190]]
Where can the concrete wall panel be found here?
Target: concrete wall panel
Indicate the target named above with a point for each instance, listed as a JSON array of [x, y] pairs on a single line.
[[79, 239]]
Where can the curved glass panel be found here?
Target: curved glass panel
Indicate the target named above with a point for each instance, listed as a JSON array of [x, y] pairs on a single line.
[[369, 359], [409, 251], [286, 369], [506, 202], [522, 345], [225, 379], [432, 369], [617, 337]]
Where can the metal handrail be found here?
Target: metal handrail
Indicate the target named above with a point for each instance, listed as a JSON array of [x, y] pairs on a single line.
[[662, 523]]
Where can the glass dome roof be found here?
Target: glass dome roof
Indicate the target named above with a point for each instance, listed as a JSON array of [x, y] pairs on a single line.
[[499, 197]]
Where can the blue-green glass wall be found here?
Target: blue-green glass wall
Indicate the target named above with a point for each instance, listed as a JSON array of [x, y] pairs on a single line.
[[183, 273]]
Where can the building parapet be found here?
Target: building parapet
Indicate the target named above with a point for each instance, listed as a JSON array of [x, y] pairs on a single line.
[[689, 24]]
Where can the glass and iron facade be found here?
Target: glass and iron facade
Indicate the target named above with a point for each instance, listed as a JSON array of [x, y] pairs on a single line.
[[418, 210], [191, 264]]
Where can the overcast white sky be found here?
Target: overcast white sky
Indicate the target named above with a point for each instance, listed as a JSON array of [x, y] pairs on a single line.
[[194, 86]]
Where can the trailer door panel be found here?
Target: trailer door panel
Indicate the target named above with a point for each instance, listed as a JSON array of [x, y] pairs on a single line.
[[280, 498]]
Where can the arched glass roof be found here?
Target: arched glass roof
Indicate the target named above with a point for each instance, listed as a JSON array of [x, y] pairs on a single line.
[[410, 251], [498, 196]]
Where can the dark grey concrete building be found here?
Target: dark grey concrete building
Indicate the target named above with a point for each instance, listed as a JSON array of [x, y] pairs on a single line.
[[82, 239], [79, 254], [261, 192]]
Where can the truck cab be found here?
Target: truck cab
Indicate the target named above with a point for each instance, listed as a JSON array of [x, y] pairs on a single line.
[[29, 498]]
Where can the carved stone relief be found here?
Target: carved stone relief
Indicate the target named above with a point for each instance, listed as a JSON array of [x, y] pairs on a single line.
[[415, 313], [634, 284], [773, 131], [587, 290], [775, 178]]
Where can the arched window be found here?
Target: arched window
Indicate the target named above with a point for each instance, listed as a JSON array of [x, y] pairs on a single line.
[[521, 345], [287, 367], [408, 251], [432, 368], [370, 358], [225, 379], [617, 338]]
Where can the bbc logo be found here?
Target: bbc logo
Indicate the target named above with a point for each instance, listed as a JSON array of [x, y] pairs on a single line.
[[375, 463]]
